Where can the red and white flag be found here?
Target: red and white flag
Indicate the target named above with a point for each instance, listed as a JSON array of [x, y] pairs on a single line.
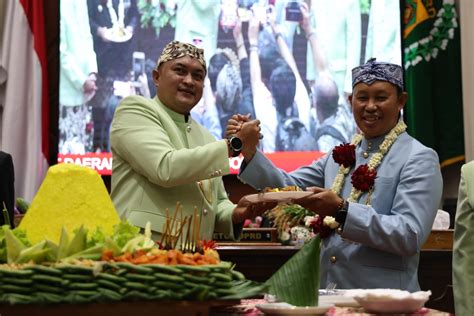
[[24, 92]]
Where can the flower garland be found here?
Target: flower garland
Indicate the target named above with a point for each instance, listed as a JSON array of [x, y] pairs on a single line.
[[363, 177]]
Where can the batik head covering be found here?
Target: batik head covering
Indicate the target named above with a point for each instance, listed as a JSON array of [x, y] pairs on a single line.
[[177, 49], [373, 70]]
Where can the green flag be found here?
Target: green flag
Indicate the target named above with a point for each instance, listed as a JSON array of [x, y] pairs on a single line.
[[432, 63]]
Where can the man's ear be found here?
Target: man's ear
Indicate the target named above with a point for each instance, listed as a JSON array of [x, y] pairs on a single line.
[[402, 100], [156, 76]]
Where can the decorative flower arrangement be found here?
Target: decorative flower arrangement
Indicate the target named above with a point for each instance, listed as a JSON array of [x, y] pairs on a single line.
[[255, 223], [363, 178], [297, 225], [344, 154]]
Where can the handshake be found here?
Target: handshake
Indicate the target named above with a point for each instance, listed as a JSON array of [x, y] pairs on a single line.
[[243, 135]]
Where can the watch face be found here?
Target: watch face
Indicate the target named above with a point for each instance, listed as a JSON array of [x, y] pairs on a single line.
[[236, 143]]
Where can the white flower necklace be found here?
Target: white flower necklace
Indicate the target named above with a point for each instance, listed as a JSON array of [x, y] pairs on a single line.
[[373, 164]]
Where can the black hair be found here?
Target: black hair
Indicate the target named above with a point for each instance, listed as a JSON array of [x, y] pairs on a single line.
[[270, 57], [216, 63], [399, 91], [283, 87]]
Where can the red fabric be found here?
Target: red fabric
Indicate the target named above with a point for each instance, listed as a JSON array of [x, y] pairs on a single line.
[[34, 11]]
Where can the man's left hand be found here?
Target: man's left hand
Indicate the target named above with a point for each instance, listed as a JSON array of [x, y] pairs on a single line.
[[323, 202]]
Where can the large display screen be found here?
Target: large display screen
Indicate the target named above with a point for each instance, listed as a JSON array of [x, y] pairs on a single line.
[[285, 62]]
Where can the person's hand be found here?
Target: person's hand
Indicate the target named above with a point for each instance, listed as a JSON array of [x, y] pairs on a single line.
[[234, 124], [142, 86], [271, 17], [305, 21], [237, 32], [247, 210], [89, 85], [253, 30], [323, 202], [101, 30], [249, 133]]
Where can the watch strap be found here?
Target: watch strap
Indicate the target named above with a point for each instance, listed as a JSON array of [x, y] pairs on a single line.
[[341, 214]]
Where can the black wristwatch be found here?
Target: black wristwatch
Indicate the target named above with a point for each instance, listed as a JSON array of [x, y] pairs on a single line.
[[342, 214], [235, 145]]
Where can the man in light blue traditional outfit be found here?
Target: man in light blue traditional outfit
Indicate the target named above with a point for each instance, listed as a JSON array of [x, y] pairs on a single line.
[[386, 212]]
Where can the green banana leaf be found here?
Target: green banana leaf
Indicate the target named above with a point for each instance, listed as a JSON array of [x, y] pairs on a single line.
[[246, 289], [297, 281]]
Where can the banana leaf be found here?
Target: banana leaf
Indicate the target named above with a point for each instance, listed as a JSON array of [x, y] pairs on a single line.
[[297, 281], [246, 289]]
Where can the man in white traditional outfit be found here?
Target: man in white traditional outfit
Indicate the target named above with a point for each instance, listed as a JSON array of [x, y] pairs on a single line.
[[383, 189]]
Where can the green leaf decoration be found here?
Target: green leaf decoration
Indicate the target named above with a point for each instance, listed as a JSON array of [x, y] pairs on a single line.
[[110, 244], [13, 244], [52, 256], [297, 281], [79, 242], [92, 253], [35, 253], [63, 244]]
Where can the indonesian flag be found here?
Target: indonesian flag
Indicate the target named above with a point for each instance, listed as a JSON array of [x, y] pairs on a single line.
[[24, 92]]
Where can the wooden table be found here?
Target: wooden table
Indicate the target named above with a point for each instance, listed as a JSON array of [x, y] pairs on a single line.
[[257, 262], [170, 308]]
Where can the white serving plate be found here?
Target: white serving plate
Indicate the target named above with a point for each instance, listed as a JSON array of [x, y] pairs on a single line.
[[280, 197], [113, 35], [287, 309], [340, 298]]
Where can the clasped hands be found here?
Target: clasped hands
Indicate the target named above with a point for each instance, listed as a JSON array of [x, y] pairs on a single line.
[[323, 202], [247, 130]]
